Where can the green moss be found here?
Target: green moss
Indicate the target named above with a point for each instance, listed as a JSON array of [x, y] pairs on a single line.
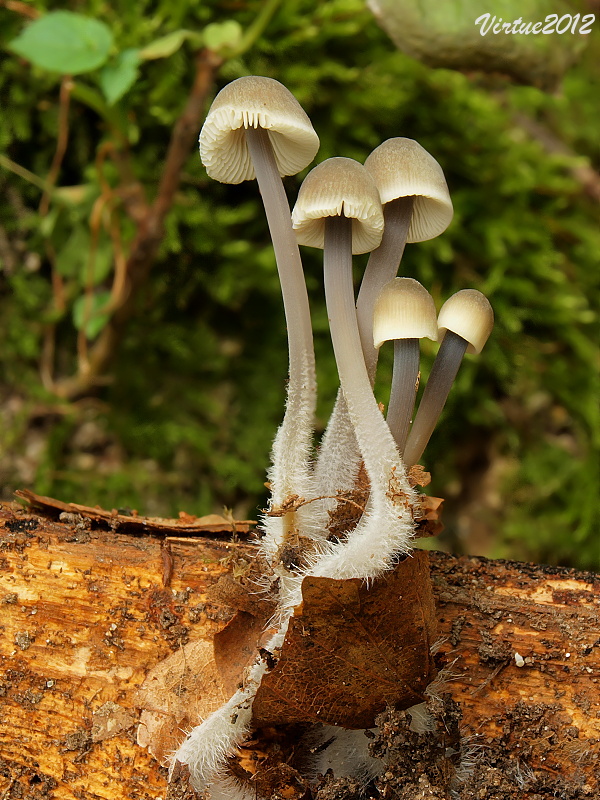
[[197, 386]]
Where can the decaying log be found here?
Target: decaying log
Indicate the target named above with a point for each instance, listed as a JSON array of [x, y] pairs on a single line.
[[86, 611]]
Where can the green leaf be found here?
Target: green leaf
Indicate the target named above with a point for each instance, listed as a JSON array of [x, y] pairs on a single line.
[[102, 263], [88, 312], [64, 42], [69, 259], [73, 260], [169, 44], [220, 36], [119, 75]]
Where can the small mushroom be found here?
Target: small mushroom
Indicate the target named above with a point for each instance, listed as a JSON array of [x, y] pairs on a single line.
[[338, 209], [416, 207], [465, 322], [256, 128], [255, 103], [404, 313]]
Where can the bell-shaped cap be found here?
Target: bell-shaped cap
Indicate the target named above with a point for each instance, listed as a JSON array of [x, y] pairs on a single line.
[[336, 187], [253, 102], [404, 309], [468, 314], [402, 168]]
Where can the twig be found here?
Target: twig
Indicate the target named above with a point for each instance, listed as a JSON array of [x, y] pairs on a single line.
[[21, 8], [58, 289], [66, 86], [150, 230]]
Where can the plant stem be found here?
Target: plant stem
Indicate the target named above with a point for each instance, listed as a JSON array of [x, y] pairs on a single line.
[[11, 166], [150, 229], [256, 29]]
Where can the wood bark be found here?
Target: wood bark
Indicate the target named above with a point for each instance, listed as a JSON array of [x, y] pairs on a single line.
[[86, 611]]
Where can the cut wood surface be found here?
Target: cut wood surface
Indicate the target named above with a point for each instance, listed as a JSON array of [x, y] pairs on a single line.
[[87, 611]]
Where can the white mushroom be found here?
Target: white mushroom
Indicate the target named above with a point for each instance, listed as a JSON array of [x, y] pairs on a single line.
[[338, 208], [465, 322], [416, 207], [256, 128], [404, 313]]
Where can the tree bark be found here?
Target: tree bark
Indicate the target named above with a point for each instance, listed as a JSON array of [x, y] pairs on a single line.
[[86, 611]]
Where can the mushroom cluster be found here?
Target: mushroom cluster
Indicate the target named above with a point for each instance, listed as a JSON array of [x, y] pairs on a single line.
[[256, 129]]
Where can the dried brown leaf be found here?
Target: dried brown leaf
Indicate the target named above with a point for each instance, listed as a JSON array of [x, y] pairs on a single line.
[[110, 720], [236, 647], [133, 523], [177, 693], [428, 516], [242, 595], [352, 649], [417, 476]]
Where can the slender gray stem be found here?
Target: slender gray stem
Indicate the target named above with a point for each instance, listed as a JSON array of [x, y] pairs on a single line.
[[287, 256], [404, 388], [370, 427], [382, 266], [290, 472], [441, 378]]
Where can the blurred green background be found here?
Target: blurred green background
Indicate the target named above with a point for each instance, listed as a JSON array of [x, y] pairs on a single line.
[[182, 412]]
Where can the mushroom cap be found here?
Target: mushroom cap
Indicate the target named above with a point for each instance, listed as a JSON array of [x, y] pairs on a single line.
[[252, 102], [467, 313], [404, 309], [334, 187], [402, 168]]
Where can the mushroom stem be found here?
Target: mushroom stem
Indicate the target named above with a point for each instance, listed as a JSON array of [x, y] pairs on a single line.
[[370, 428], [339, 457], [441, 378], [294, 439], [385, 529], [382, 266], [285, 245], [404, 388]]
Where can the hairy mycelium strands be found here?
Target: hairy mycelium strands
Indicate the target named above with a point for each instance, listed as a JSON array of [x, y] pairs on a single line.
[[465, 322], [416, 207], [338, 208], [256, 128], [404, 313]]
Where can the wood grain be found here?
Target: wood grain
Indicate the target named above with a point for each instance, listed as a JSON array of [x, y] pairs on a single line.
[[84, 615], [522, 649]]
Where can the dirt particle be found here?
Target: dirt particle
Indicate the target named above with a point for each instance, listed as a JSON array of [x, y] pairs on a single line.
[[22, 525], [493, 650], [79, 740], [24, 639], [167, 618], [457, 627]]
